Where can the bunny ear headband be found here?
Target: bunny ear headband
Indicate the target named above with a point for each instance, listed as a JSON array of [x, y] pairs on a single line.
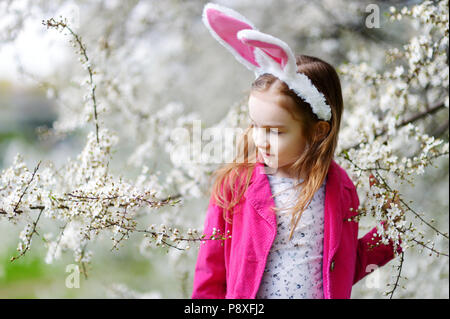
[[262, 53]]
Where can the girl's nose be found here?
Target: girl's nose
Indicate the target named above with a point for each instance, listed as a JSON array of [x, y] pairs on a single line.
[[260, 137]]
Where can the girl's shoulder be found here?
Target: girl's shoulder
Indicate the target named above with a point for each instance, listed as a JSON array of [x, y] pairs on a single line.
[[342, 175]]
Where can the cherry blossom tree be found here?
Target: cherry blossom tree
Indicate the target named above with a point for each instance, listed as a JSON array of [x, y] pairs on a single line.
[[113, 90]]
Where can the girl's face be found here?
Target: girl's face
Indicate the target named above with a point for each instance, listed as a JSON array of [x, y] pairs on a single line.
[[271, 122]]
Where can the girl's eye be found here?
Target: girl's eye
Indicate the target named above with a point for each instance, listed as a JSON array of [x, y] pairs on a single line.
[[267, 129], [276, 132]]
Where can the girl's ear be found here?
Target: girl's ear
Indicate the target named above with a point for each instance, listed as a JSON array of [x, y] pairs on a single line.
[[224, 24], [321, 130]]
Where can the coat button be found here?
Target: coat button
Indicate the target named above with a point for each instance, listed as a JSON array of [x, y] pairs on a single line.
[[332, 265]]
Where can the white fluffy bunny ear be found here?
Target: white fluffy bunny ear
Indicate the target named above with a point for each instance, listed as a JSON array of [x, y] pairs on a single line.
[[224, 24]]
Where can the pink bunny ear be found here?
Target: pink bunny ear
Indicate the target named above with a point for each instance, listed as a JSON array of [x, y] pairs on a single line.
[[224, 24], [273, 47], [274, 51]]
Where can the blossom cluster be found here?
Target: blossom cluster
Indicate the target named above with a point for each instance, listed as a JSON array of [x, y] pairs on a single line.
[[387, 134]]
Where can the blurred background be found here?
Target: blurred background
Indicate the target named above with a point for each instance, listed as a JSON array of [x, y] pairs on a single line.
[[152, 54]]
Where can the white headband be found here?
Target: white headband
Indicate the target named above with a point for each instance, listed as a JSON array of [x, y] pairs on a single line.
[[262, 53]]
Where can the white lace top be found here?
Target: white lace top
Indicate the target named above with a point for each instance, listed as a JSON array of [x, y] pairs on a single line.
[[294, 268]]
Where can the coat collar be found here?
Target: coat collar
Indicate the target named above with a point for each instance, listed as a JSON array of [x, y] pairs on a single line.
[[259, 195]]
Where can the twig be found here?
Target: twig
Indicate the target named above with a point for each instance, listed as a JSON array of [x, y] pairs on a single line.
[[155, 234], [59, 239], [26, 188], [399, 267], [56, 24], [157, 202], [28, 243]]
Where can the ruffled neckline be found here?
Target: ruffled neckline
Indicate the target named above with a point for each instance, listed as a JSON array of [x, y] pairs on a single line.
[[284, 179]]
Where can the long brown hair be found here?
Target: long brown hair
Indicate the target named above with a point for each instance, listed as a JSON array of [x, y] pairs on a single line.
[[232, 179]]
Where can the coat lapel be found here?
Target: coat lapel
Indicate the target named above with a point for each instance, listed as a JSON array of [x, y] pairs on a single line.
[[333, 210], [260, 195], [332, 223]]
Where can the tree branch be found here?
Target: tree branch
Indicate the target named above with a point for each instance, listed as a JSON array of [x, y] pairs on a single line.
[[413, 119]]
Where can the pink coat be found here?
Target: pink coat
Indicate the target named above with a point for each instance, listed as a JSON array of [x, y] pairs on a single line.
[[233, 268]]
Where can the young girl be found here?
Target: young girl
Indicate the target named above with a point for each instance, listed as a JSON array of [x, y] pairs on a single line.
[[288, 233]]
